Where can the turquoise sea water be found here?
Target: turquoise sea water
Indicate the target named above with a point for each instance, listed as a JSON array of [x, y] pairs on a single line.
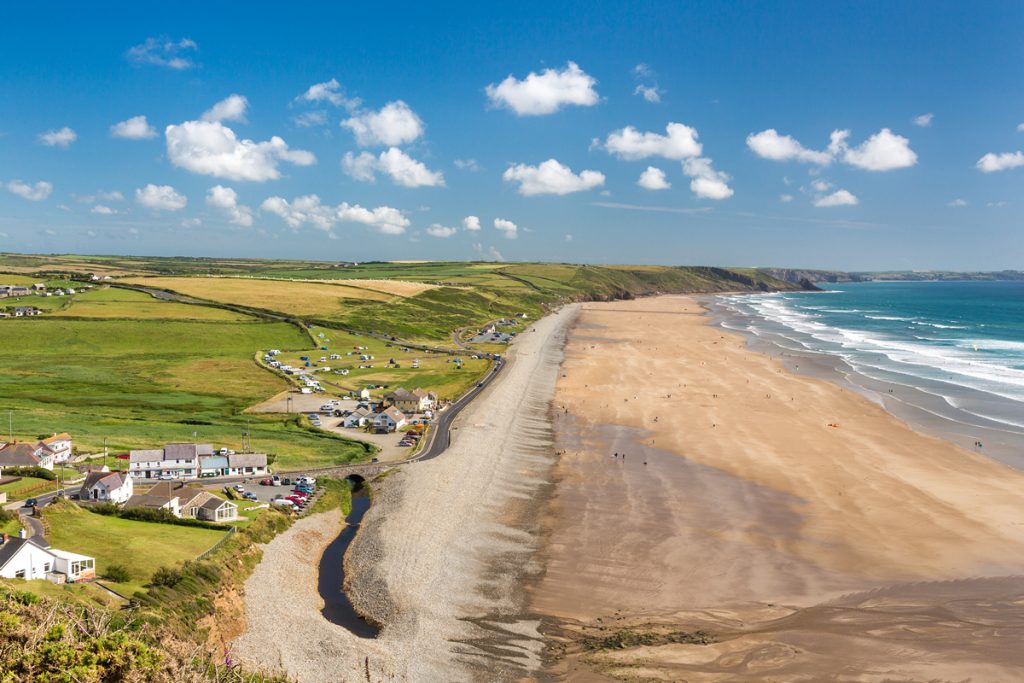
[[953, 350]]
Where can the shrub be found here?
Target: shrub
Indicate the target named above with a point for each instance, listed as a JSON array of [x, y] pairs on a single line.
[[166, 576], [117, 573], [35, 472]]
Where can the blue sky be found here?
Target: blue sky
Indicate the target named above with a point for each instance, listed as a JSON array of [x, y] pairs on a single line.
[[853, 136]]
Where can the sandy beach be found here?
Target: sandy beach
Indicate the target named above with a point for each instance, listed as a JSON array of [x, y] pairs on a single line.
[[811, 533]]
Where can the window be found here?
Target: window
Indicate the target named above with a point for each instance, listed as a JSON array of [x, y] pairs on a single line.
[[46, 567], [20, 574]]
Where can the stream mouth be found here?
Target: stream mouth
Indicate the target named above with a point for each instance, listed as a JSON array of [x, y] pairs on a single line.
[[338, 608]]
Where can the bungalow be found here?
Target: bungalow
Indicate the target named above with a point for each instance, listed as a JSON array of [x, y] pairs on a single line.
[[23, 558], [59, 446], [182, 500], [388, 420], [108, 487], [25, 455], [217, 510], [245, 464], [173, 461]]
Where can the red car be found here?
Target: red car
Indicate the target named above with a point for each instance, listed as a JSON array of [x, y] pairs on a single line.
[[266, 482]]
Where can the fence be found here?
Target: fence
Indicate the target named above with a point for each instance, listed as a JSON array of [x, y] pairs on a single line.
[[229, 534]]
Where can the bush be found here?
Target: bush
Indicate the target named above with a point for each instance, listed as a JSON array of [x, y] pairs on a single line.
[[35, 472], [166, 576], [7, 516], [117, 573]]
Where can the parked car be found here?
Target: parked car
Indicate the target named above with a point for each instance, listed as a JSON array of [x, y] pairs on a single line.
[[286, 481], [31, 503], [266, 482], [249, 495], [284, 503], [239, 488], [275, 480]]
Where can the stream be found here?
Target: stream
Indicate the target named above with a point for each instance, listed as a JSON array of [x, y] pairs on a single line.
[[337, 607]]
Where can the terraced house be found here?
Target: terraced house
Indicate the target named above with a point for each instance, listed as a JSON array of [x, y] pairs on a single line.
[[173, 461]]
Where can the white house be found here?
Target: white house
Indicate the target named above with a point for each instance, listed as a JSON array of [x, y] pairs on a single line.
[[389, 420], [107, 487], [364, 394], [23, 558], [59, 446], [25, 455], [173, 461], [359, 417]]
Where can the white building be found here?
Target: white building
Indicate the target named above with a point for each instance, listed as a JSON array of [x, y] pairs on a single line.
[[107, 487], [389, 420], [23, 558], [173, 461], [59, 446]]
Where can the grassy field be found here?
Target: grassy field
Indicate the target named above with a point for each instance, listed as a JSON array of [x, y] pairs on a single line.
[[142, 383], [284, 296], [108, 302], [141, 547], [27, 487]]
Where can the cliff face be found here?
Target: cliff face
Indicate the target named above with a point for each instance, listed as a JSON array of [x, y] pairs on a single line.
[[799, 275]]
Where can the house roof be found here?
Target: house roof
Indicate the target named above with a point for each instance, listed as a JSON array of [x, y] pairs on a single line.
[[63, 436], [146, 455], [180, 451], [19, 455], [247, 460], [394, 413], [208, 462], [158, 496], [112, 480], [401, 395], [172, 451], [11, 548], [65, 555], [215, 503]]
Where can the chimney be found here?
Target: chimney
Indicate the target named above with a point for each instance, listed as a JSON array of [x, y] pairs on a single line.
[[6, 538], [22, 533]]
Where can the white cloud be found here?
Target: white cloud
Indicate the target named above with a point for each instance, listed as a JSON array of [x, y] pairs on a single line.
[[58, 138], [467, 165], [568, 237], [707, 183], [990, 163], [653, 179], [768, 144], [651, 93], [211, 148], [308, 210], [103, 210], [546, 92], [112, 196], [785, 198], [680, 142], [1020, 127], [957, 203], [225, 199], [821, 185], [160, 198], [164, 52], [329, 91], [231, 108], [191, 223], [135, 128], [309, 119], [837, 198], [403, 169], [394, 124], [437, 230], [507, 228], [924, 120], [471, 223], [551, 177], [883, 151], [34, 193]]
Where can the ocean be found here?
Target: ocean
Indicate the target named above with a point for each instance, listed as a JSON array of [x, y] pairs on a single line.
[[947, 357]]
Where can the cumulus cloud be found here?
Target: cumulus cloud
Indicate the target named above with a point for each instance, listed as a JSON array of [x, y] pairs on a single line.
[[329, 91], [160, 198], [837, 198], [225, 199], [545, 92], [924, 120], [768, 144], [394, 124], [211, 148], [785, 198], [437, 230], [651, 93], [883, 151], [34, 193], [821, 185], [471, 223], [653, 179], [399, 166], [308, 210], [58, 138], [508, 229], [990, 163], [957, 203], [173, 54], [707, 183], [231, 108], [135, 128], [551, 177], [648, 87], [679, 142], [103, 210]]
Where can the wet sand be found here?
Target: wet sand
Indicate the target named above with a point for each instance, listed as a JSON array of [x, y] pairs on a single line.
[[809, 551]]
